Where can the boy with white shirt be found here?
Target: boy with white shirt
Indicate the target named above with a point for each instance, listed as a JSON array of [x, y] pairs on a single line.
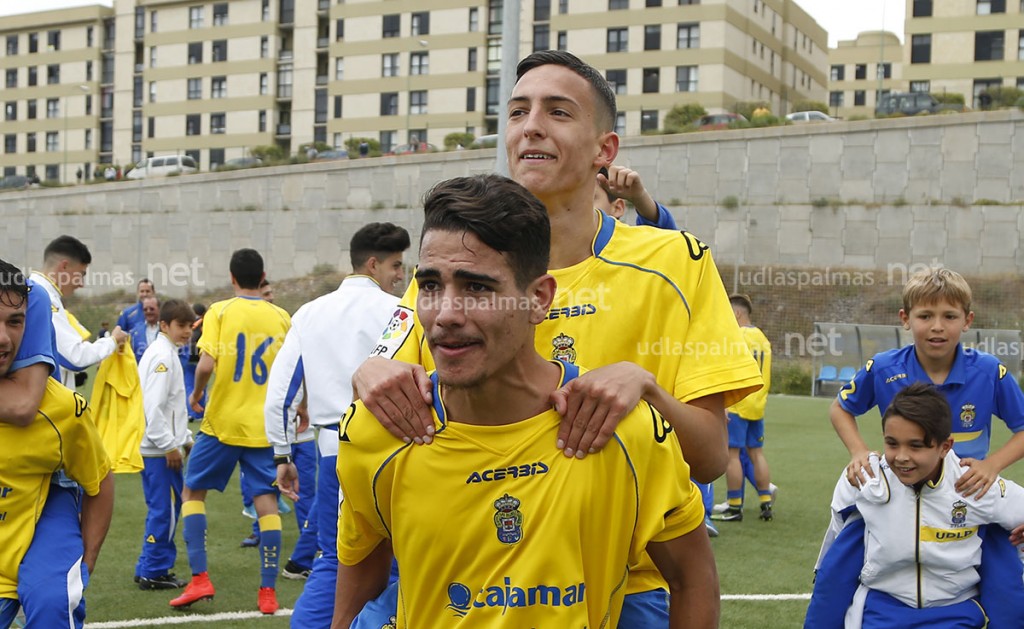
[[165, 442]]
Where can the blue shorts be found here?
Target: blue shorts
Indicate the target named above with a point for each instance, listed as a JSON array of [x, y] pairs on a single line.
[[882, 611], [211, 464], [745, 433]]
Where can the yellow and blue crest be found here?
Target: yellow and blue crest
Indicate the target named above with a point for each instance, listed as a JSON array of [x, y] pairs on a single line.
[[508, 519]]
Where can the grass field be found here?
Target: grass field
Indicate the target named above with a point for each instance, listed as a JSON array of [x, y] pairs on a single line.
[[754, 557]]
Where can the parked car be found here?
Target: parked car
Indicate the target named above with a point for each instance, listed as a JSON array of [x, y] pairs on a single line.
[[162, 166], [240, 162], [16, 182], [485, 142], [331, 155], [409, 149], [717, 121], [800, 117], [912, 104]]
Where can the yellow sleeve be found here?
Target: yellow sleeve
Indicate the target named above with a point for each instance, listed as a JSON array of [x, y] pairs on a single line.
[[85, 459], [752, 407], [364, 447], [209, 342]]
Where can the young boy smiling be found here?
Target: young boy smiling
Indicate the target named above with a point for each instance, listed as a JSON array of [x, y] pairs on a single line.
[[912, 494]]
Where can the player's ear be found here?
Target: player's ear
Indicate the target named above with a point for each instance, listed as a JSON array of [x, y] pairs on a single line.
[[968, 320], [905, 318], [541, 292], [946, 446]]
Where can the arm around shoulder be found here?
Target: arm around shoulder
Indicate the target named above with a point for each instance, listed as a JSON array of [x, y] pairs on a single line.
[[21, 393]]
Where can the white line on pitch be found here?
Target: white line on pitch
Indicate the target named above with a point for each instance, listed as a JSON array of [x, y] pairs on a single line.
[[182, 619]]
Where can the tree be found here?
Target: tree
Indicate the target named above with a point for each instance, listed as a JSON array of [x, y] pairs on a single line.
[[457, 139], [681, 116], [810, 105]]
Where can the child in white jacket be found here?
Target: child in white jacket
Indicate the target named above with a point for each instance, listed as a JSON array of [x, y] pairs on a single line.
[[164, 445], [922, 546]]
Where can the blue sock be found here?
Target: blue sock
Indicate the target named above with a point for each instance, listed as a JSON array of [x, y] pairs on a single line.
[[748, 471], [193, 526], [270, 549]]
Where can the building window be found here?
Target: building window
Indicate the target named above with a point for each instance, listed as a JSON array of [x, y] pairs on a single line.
[[52, 143], [921, 86], [835, 99], [53, 74], [284, 81], [652, 3], [563, 41], [52, 108], [541, 10], [152, 56], [688, 36], [988, 45], [216, 158], [10, 143], [652, 79], [195, 89], [686, 78], [618, 40], [419, 63], [389, 64], [152, 91], [339, 68], [265, 11], [470, 99], [218, 87], [12, 45], [618, 5], [137, 91], [30, 142], [392, 25], [493, 55], [262, 124], [884, 71], [920, 49], [88, 105], [88, 138], [12, 77], [136, 126], [474, 20], [986, 7], [491, 97], [541, 37], [11, 110], [89, 37], [53, 41], [195, 17], [33, 76], [648, 120], [620, 123], [264, 47], [220, 14], [616, 80], [420, 24], [387, 141], [418, 102], [151, 127], [339, 29], [337, 107], [981, 87], [152, 21], [838, 72], [1020, 44], [264, 84], [31, 105], [922, 8], [33, 42], [471, 57], [494, 16], [192, 122], [686, 2], [220, 50], [195, 52], [218, 122], [860, 71], [859, 98], [389, 104], [652, 37]]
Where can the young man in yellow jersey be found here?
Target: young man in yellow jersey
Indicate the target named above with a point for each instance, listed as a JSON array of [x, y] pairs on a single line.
[[241, 337], [61, 436], [491, 525], [644, 309]]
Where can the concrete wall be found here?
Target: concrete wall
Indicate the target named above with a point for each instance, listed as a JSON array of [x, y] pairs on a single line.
[[861, 194]]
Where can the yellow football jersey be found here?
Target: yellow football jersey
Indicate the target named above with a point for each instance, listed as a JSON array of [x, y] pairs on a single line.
[[517, 534], [752, 406], [61, 436], [242, 335]]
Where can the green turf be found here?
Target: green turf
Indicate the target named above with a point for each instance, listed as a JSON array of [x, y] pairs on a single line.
[[753, 557]]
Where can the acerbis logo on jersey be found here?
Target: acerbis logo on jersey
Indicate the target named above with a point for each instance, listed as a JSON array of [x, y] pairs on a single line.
[[507, 596], [512, 471], [569, 312], [508, 520], [395, 334]]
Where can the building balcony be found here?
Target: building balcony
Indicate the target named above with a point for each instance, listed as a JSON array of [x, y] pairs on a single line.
[[284, 129]]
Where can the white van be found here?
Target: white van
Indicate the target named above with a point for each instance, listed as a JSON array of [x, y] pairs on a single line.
[[162, 166]]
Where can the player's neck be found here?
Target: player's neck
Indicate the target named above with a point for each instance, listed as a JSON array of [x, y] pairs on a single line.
[[937, 368], [574, 223], [521, 390], [248, 292]]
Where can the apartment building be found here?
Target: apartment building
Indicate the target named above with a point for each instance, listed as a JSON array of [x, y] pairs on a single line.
[[861, 70], [964, 46], [215, 78]]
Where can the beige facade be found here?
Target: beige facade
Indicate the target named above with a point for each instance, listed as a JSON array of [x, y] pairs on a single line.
[[862, 69], [964, 46], [216, 78]]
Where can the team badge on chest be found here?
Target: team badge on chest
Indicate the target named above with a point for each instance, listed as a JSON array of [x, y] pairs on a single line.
[[959, 513], [967, 415], [508, 519], [563, 350]]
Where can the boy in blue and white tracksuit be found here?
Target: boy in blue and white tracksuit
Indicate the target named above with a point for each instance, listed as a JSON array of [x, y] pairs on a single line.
[[166, 440]]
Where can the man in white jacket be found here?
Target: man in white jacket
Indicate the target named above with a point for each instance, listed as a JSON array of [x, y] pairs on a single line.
[[329, 338], [922, 543], [65, 263], [164, 445]]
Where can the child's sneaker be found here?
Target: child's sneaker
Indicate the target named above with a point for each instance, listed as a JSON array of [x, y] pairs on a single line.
[[732, 514], [712, 531], [268, 600], [766, 512], [199, 589], [294, 571], [163, 582]]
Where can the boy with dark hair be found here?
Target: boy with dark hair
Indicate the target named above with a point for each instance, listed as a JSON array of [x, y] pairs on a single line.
[[923, 546], [241, 337], [165, 442]]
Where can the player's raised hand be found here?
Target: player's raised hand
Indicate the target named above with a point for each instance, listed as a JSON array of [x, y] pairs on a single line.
[[978, 479], [593, 404], [859, 470], [399, 396]]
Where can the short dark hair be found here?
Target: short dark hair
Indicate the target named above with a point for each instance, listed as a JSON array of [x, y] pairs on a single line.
[[264, 283], [199, 309], [377, 240], [606, 107], [177, 310], [13, 286], [247, 268], [498, 211], [741, 300], [67, 247], [144, 280], [922, 404]]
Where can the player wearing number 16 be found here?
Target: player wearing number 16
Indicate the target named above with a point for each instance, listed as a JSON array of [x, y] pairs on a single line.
[[241, 337]]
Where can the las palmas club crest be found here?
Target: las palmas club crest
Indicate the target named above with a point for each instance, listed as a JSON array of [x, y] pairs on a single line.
[[508, 519]]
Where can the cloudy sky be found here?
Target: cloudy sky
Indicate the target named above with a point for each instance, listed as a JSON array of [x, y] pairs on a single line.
[[842, 20]]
